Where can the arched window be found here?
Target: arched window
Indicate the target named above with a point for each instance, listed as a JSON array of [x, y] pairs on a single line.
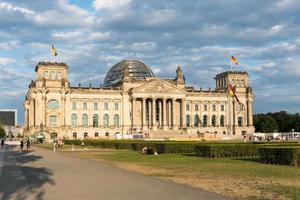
[[95, 120], [196, 121], [105, 120], [53, 104], [213, 120], [53, 75], [58, 75], [85, 120], [188, 124], [116, 120], [204, 120], [46, 74], [74, 135], [73, 120], [222, 121]]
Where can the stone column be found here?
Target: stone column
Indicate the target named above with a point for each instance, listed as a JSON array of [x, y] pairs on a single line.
[[154, 127], [149, 114], [218, 114], [173, 124], [132, 112], [250, 113], [159, 114], [169, 114], [144, 114], [183, 112], [209, 117], [192, 114], [164, 110]]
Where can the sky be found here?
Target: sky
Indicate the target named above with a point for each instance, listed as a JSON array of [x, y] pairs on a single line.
[[199, 35]]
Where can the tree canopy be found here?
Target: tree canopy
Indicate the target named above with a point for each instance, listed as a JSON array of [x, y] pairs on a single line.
[[2, 131], [277, 121]]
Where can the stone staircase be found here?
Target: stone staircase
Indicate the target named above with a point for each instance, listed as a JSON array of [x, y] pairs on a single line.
[[169, 134]]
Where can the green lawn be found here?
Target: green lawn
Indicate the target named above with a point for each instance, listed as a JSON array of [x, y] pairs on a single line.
[[243, 178]]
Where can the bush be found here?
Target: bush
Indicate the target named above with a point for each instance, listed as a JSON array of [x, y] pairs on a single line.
[[138, 145], [226, 150], [208, 149], [280, 155]]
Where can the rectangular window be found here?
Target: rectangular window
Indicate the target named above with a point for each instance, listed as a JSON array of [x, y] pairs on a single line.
[[187, 107], [196, 107], [74, 105], [205, 107], [222, 107], [95, 106], [52, 120], [214, 107], [240, 121], [84, 106], [116, 106], [105, 106]]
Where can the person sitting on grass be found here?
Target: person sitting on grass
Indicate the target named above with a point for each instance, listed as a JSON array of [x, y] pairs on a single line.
[[144, 151]]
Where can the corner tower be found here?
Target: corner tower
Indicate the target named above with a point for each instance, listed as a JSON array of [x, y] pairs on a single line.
[[51, 75], [240, 113]]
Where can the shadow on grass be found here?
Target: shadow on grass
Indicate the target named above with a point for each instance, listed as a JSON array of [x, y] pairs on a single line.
[[19, 181], [251, 159]]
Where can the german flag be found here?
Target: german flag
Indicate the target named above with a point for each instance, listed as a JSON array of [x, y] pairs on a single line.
[[53, 50], [232, 92], [234, 60]]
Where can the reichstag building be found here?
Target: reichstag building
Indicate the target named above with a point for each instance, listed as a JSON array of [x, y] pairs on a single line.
[[134, 103]]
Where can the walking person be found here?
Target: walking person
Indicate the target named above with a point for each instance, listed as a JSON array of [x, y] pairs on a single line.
[[27, 144], [21, 146], [2, 143]]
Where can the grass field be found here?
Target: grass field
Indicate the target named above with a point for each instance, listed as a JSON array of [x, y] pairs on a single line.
[[242, 178]]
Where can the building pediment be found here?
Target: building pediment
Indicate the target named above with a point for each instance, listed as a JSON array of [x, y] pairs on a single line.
[[158, 86]]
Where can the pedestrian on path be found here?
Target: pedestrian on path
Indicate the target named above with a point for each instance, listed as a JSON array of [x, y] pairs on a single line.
[[21, 146], [2, 143], [27, 144]]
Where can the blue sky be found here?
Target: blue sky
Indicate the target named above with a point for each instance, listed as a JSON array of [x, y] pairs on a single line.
[[91, 36]]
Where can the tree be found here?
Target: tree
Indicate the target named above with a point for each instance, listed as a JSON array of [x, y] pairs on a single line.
[[265, 123], [2, 131]]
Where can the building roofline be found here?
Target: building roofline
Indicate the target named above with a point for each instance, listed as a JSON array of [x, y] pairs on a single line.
[[50, 64]]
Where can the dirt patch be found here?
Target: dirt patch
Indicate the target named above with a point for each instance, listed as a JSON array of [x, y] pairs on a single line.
[[227, 186]]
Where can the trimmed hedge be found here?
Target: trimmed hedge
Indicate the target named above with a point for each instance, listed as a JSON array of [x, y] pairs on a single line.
[[280, 155], [138, 145], [202, 149], [226, 150]]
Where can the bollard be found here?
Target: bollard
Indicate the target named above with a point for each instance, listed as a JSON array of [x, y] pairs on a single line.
[[53, 146]]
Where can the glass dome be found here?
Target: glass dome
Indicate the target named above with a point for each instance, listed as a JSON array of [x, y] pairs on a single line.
[[137, 70]]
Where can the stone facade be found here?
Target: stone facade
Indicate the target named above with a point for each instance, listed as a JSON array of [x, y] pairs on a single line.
[[152, 107]]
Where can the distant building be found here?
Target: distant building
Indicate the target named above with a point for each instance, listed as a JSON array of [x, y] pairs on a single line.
[[8, 117], [133, 102]]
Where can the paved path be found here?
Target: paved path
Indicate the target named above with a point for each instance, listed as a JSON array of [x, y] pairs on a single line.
[[42, 174]]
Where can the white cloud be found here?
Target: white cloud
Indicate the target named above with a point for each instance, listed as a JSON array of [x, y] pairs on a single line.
[[65, 15], [277, 28], [9, 45], [110, 4], [80, 36], [140, 46], [160, 17], [13, 8], [6, 61]]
